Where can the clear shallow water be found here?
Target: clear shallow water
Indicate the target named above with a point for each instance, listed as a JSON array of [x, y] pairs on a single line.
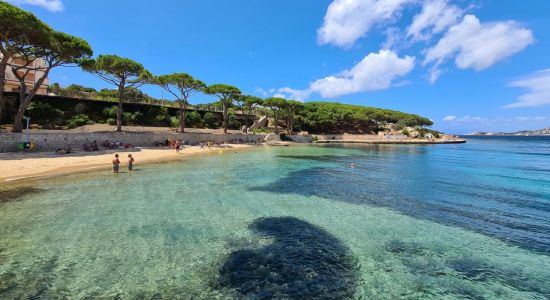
[[446, 221]]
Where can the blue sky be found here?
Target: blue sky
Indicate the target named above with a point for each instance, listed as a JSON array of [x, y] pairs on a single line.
[[478, 65]]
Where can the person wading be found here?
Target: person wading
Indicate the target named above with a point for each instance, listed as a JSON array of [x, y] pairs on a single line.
[[116, 164]]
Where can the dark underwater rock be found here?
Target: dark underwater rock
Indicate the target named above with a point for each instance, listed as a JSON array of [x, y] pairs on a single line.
[[303, 262]]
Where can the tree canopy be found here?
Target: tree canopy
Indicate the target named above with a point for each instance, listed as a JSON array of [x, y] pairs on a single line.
[[247, 104], [338, 117], [276, 105], [181, 86], [226, 95], [61, 49], [19, 31], [119, 71]]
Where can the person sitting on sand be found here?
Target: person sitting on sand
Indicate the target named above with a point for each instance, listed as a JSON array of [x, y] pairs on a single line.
[[116, 164], [94, 146], [66, 150], [130, 162]]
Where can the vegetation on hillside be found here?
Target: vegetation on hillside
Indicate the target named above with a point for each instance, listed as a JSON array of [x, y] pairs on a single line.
[[337, 117]]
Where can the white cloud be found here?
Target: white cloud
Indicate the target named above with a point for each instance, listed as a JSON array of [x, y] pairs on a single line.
[[393, 38], [478, 46], [375, 72], [538, 87], [348, 20], [435, 17], [293, 94], [449, 118], [51, 5], [465, 119]]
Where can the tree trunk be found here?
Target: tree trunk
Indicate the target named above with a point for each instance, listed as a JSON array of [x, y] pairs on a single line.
[[224, 118], [25, 100], [276, 121], [18, 123], [246, 123], [182, 117], [119, 110], [3, 67]]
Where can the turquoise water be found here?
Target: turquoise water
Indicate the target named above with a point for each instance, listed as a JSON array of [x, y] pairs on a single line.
[[469, 221]]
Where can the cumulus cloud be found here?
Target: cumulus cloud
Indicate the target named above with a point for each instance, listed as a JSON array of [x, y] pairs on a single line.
[[538, 90], [289, 93], [435, 17], [51, 5], [348, 20], [375, 72], [476, 45], [449, 118]]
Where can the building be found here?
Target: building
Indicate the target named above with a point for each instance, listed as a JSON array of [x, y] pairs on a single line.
[[12, 83]]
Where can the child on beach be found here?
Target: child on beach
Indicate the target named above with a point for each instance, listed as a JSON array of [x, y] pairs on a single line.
[[116, 164], [177, 147], [130, 162]]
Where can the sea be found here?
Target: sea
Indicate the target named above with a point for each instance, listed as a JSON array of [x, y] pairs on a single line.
[[456, 221]]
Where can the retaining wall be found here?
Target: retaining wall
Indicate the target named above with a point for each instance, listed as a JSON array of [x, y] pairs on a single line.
[[53, 141]]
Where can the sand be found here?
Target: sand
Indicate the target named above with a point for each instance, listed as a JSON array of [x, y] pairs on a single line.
[[18, 166]]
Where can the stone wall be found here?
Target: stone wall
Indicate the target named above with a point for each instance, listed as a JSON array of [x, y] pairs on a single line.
[[53, 141], [347, 137]]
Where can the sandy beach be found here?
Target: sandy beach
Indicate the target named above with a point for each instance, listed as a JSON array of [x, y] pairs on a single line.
[[18, 166]]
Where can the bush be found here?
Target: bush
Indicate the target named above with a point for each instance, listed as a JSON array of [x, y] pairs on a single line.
[[111, 121], [129, 118], [43, 113], [174, 122], [78, 120], [162, 114], [110, 111], [193, 119], [80, 108], [405, 132], [232, 121], [210, 120]]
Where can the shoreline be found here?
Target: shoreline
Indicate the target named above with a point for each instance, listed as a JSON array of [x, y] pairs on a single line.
[[386, 142], [17, 167]]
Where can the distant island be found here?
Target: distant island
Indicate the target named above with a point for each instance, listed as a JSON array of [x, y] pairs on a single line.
[[541, 132]]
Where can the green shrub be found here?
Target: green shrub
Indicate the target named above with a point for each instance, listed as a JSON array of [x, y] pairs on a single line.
[[43, 113], [210, 120], [78, 120], [110, 111], [233, 123], [111, 121], [174, 122], [193, 119]]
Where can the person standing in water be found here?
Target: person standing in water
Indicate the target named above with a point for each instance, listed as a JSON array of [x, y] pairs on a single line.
[[116, 164], [130, 162]]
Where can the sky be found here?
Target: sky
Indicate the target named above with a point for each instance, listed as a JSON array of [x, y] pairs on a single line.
[[468, 65]]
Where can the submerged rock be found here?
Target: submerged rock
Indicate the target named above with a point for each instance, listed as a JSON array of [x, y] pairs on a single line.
[[304, 261]]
